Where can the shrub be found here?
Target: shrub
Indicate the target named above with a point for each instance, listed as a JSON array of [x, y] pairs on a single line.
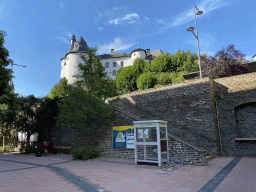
[[163, 78], [27, 148], [30, 148], [5, 148], [146, 81], [85, 153]]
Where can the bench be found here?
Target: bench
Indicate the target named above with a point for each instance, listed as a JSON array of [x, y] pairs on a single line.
[[245, 139]]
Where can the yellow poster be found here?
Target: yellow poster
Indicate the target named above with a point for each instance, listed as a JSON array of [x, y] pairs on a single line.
[[123, 128]]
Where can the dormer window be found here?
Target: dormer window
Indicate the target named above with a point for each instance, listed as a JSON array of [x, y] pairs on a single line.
[[76, 46]]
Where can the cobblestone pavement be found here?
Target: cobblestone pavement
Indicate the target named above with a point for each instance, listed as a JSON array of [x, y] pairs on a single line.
[[59, 172]]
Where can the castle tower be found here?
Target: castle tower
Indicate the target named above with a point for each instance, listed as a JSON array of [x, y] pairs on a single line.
[[69, 63], [137, 53]]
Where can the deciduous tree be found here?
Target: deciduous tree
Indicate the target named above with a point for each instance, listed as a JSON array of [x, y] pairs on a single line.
[[225, 63], [83, 110]]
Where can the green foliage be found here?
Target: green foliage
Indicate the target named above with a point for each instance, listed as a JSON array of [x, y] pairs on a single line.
[[92, 76], [5, 73], [169, 78], [45, 117], [126, 77], [85, 153], [185, 61], [162, 63], [83, 110], [6, 148], [26, 119], [146, 81], [164, 78], [27, 148], [60, 89]]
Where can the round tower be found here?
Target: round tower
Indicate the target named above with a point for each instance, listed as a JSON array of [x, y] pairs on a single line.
[[69, 63], [137, 53]]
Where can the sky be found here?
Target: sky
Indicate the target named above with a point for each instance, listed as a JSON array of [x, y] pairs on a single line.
[[39, 32]]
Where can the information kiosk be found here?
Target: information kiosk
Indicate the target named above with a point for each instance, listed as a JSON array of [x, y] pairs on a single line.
[[151, 142]]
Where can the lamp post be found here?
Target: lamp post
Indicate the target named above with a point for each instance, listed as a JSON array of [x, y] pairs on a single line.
[[196, 35], [10, 82]]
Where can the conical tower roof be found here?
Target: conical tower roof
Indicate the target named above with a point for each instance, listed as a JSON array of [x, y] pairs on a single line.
[[82, 44]]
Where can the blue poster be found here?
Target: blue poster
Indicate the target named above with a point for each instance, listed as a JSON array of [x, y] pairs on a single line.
[[119, 139]]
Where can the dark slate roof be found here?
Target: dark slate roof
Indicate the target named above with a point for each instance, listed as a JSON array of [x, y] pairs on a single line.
[[82, 46], [138, 49], [253, 56], [118, 55]]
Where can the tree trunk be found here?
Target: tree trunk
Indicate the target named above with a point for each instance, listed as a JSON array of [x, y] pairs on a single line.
[[28, 138]]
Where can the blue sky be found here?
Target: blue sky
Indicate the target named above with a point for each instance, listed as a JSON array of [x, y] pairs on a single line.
[[38, 32]]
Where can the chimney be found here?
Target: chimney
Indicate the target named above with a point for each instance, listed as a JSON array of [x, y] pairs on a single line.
[[112, 51], [147, 52]]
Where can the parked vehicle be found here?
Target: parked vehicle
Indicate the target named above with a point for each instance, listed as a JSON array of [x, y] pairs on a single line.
[[47, 147]]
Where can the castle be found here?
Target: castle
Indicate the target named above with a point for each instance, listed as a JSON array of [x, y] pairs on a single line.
[[112, 62]]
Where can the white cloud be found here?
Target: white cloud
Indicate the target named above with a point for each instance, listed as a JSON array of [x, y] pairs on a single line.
[[206, 6], [63, 39], [116, 44], [61, 4], [160, 21], [100, 28], [121, 20], [146, 18]]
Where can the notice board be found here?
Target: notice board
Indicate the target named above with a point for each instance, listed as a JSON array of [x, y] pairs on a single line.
[[123, 137]]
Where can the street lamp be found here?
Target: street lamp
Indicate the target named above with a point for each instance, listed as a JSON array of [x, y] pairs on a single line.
[[10, 82], [196, 35]]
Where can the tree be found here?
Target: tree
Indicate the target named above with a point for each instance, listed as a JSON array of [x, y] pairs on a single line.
[[60, 89], [5, 74], [146, 81], [26, 119], [83, 110], [92, 76], [225, 63], [45, 117], [162, 63], [126, 77]]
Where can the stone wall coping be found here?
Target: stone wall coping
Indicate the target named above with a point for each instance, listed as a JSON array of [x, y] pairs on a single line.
[[162, 88]]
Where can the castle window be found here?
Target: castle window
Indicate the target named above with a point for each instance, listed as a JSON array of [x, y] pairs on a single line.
[[107, 64], [134, 54], [122, 63], [114, 64], [64, 63], [114, 72]]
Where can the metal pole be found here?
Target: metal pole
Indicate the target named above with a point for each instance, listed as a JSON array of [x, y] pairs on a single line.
[[199, 60]]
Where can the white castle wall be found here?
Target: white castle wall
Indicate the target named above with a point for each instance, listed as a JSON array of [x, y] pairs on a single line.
[[137, 54], [71, 68], [126, 60]]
